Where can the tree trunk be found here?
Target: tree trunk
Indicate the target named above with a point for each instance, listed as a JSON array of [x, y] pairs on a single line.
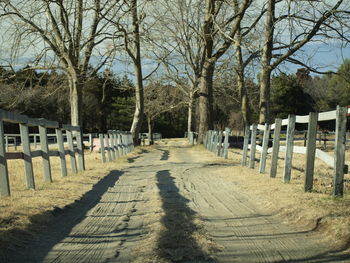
[[190, 112], [150, 131], [76, 100], [265, 74], [244, 100], [264, 104], [139, 103], [206, 100], [240, 75]]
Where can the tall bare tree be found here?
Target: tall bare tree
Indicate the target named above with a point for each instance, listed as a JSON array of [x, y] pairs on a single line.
[[300, 26], [178, 46], [62, 35], [213, 51]]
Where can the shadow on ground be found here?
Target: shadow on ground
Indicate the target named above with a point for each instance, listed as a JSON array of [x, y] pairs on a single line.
[[176, 243], [59, 223], [140, 152], [165, 155]]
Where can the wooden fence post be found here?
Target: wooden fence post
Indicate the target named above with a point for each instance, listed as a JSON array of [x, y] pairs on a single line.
[[81, 161], [212, 141], [120, 146], [207, 144], [219, 143], [289, 149], [111, 140], [35, 141], [275, 147], [45, 153], [115, 139], [126, 137], [28, 166], [71, 151], [61, 152], [102, 147], [4, 177], [310, 151], [226, 143], [6, 142], [253, 146], [215, 141], [109, 156], [125, 143], [265, 146], [245, 145], [339, 151], [208, 140]]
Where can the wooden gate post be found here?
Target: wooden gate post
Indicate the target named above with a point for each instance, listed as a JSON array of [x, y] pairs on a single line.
[[245, 145], [265, 146], [61, 152], [4, 177], [73, 161], [45, 153], [226, 143], [339, 151], [28, 165], [310, 151], [287, 172], [275, 147], [253, 146]]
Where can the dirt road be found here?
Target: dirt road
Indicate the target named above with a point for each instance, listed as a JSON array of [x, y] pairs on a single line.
[[170, 205]]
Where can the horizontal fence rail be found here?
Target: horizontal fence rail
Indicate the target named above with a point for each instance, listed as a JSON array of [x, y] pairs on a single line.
[[336, 161], [65, 134]]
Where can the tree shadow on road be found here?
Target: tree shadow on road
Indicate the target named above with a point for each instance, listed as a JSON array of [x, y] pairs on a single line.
[[61, 222], [177, 243], [165, 155]]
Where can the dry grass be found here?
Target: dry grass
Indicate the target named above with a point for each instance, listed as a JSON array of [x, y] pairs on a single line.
[[318, 210], [27, 212]]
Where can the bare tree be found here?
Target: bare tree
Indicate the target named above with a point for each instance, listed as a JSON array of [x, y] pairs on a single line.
[[159, 99], [213, 51], [62, 35], [177, 44], [299, 26]]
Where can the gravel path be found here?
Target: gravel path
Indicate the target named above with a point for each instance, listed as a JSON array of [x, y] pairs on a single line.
[[170, 206]]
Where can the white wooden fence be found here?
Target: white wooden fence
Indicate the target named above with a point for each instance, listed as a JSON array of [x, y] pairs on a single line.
[[336, 161], [121, 144], [115, 144], [217, 142]]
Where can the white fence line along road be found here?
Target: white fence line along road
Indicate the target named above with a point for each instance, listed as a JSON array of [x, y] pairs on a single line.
[[337, 161], [120, 143]]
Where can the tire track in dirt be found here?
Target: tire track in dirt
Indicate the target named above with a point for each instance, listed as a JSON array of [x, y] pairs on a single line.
[[245, 233], [171, 205]]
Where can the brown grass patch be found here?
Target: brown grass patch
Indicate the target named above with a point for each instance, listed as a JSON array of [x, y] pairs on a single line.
[[319, 211]]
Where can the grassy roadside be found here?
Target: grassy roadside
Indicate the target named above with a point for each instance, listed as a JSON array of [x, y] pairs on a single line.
[[318, 211], [27, 212]]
